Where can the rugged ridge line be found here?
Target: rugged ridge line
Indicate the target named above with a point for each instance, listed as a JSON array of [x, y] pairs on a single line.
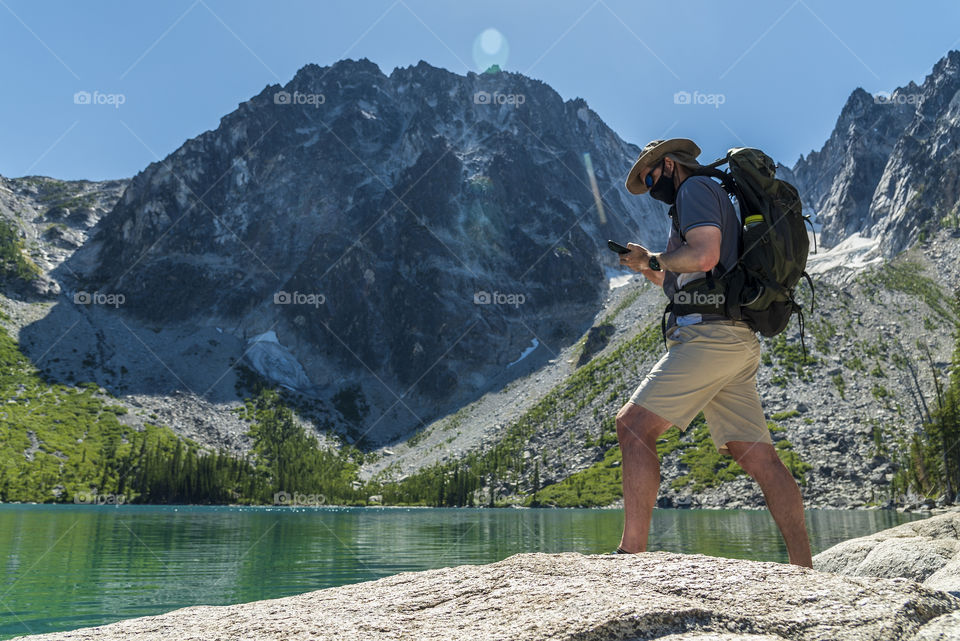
[[890, 168]]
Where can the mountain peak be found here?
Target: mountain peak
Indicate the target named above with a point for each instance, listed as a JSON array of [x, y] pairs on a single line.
[[949, 64], [312, 72], [416, 207], [887, 169]]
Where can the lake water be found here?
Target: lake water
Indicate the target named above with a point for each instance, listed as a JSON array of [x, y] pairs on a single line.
[[70, 566]]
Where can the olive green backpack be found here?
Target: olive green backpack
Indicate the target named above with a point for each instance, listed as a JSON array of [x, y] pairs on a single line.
[[759, 287]]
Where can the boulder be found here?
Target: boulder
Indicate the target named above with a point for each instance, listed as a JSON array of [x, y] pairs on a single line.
[[656, 595], [927, 551]]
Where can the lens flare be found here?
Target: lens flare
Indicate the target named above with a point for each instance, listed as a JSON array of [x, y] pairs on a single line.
[[594, 188], [490, 48]]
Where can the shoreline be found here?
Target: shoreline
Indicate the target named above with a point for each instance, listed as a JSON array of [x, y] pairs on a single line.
[[926, 512], [536, 596]]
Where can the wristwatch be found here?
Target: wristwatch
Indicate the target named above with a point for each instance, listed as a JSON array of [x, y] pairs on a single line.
[[654, 264]]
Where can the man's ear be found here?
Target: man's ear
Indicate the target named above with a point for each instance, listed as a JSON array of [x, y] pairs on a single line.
[[668, 166]]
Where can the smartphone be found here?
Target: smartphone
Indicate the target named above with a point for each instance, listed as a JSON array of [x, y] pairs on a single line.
[[617, 247]]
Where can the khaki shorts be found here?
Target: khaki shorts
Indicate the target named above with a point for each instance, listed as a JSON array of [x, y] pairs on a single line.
[[710, 367]]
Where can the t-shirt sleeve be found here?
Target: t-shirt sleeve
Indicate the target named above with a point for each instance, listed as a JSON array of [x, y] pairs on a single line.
[[697, 205]]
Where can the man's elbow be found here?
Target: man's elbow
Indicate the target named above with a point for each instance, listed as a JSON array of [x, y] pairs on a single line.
[[708, 261]]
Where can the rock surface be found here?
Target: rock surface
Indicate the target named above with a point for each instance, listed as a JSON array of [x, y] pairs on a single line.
[[569, 596], [926, 551]]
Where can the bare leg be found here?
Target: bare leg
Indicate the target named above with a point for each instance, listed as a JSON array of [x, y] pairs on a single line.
[[638, 430], [780, 490]]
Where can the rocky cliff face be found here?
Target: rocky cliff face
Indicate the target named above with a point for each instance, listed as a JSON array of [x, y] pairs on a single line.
[[891, 168], [50, 219], [404, 237]]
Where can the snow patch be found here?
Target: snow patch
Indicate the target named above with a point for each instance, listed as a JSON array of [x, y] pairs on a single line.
[[275, 362], [855, 252], [534, 345], [617, 277]]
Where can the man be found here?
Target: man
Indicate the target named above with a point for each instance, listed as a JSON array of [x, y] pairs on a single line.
[[711, 362]]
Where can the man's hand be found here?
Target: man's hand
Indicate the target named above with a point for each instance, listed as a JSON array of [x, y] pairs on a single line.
[[638, 259]]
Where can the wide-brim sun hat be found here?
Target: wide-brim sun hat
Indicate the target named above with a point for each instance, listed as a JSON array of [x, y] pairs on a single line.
[[680, 150]]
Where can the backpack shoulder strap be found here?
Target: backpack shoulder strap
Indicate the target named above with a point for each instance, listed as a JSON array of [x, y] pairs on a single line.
[[675, 222]]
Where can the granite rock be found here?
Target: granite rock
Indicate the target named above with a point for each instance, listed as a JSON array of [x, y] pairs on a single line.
[[656, 595]]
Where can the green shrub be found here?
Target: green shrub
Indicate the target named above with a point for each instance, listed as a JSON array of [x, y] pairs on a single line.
[[856, 364], [840, 384], [13, 263], [707, 467], [780, 416], [909, 278]]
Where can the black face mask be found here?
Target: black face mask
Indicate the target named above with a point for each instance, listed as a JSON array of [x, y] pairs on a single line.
[[663, 190]]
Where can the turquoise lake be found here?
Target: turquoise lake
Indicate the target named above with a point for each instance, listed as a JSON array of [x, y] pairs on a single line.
[[70, 566]]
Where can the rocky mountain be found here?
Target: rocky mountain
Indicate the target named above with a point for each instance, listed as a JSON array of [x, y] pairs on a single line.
[[890, 170], [396, 242], [423, 251]]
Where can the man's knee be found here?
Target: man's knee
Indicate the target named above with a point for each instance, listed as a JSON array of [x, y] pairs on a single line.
[[755, 458], [636, 423]]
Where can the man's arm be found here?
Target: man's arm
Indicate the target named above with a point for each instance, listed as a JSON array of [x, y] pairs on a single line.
[[700, 253]]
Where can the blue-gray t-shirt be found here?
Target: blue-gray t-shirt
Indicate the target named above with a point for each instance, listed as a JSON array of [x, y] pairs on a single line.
[[702, 201]]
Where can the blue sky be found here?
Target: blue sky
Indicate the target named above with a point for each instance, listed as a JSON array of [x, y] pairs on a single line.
[[782, 69]]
